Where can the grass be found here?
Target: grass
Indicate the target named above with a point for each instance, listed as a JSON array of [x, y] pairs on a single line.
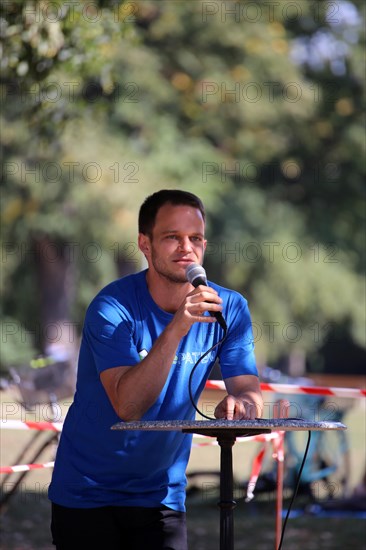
[[254, 528], [25, 526]]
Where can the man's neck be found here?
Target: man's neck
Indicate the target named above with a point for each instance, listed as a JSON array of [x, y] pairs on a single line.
[[167, 294]]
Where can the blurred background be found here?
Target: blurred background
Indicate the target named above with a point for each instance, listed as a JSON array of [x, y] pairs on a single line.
[[257, 107]]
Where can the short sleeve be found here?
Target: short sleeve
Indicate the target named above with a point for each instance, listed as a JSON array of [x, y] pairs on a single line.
[[237, 351], [108, 333]]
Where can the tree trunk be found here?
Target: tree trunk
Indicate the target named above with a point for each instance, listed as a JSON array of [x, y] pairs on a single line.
[[56, 279]]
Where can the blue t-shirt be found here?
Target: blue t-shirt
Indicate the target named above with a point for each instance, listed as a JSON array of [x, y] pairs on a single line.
[[97, 466]]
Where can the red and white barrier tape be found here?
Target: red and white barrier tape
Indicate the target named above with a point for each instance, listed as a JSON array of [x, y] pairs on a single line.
[[256, 468], [292, 388], [57, 426], [24, 467], [278, 454], [40, 426], [260, 437]]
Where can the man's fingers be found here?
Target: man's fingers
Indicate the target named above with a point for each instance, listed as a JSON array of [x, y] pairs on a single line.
[[204, 294], [239, 410], [232, 408], [200, 289], [281, 408], [226, 409], [199, 308]]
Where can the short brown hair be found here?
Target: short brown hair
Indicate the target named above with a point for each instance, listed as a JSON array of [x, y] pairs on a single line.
[[154, 202]]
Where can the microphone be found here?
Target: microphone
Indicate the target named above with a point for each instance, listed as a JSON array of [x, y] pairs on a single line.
[[196, 275]]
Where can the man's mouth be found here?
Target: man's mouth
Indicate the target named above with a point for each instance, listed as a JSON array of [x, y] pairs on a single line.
[[183, 261]]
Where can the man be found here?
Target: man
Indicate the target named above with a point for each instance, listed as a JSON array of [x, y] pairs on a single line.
[[127, 489]]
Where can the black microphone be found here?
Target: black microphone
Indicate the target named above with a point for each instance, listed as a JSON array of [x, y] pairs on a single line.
[[196, 275]]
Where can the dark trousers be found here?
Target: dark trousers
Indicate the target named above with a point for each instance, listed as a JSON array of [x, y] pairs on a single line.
[[118, 528]]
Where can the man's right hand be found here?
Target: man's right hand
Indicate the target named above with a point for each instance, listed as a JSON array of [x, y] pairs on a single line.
[[193, 308]]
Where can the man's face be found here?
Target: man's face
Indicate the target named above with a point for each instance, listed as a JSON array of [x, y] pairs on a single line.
[[177, 241]]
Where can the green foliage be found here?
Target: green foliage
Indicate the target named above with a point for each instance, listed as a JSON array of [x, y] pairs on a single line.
[[19, 346]]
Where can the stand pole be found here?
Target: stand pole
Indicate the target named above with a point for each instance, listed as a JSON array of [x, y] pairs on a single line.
[[279, 494], [227, 502]]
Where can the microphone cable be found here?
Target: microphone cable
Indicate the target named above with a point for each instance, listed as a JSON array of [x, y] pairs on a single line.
[[297, 485], [193, 370]]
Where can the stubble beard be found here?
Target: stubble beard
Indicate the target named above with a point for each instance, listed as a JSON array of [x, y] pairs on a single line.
[[165, 273]]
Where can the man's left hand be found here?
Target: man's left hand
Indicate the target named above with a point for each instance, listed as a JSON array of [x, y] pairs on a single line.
[[235, 408]]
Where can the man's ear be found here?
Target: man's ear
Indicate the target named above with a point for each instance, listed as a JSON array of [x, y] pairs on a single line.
[[144, 244]]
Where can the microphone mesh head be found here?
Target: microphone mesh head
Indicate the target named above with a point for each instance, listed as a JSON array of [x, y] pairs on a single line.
[[194, 271]]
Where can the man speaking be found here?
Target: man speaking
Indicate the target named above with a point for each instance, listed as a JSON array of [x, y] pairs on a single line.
[[126, 490]]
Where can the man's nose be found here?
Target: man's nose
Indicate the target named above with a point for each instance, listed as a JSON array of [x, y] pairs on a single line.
[[185, 244]]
